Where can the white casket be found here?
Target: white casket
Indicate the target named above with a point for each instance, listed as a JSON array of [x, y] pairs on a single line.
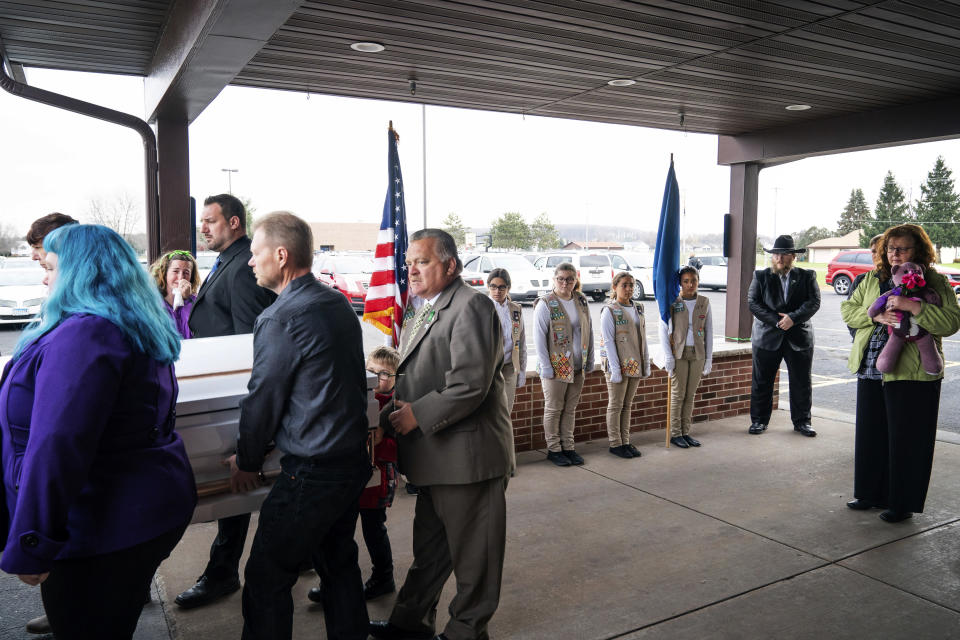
[[212, 374]]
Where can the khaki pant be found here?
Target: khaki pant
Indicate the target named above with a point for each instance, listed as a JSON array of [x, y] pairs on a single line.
[[619, 403], [683, 387], [560, 401], [509, 384]]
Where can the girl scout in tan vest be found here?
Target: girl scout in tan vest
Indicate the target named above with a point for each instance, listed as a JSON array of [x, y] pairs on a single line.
[[514, 335], [563, 335], [625, 359], [687, 342]]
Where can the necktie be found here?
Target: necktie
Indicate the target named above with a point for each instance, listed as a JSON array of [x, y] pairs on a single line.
[[216, 265], [418, 321]]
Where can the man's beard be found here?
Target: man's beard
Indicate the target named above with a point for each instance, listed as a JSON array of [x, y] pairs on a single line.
[[780, 270]]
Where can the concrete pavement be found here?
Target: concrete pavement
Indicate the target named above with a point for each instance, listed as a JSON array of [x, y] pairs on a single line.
[[745, 537]]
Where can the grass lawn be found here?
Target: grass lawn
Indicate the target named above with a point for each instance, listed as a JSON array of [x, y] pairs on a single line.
[[820, 268]]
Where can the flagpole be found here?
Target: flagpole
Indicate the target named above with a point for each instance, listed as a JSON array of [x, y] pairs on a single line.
[[669, 395]]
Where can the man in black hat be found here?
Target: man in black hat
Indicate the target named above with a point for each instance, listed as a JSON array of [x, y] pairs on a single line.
[[782, 300]]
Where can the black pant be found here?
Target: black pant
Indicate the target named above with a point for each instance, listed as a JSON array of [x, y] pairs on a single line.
[[373, 524], [101, 596], [896, 434], [227, 548], [765, 365], [310, 511]]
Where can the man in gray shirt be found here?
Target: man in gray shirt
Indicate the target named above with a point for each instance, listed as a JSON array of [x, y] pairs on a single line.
[[307, 392]]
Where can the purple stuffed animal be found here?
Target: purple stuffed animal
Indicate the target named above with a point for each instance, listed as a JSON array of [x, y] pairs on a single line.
[[908, 281]]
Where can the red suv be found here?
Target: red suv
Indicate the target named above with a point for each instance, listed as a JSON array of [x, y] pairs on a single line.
[[848, 264]]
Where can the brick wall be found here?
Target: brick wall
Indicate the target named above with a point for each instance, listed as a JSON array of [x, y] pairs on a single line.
[[722, 394]]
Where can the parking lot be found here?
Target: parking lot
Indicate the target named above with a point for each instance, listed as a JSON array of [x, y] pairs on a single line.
[[834, 388]]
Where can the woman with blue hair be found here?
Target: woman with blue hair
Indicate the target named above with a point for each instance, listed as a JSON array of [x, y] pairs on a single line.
[[98, 487]]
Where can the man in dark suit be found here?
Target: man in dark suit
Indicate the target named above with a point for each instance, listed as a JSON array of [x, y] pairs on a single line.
[[307, 392], [455, 441], [227, 304], [782, 299]]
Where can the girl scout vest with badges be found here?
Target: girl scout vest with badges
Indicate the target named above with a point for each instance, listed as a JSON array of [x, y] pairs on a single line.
[[631, 343], [681, 323], [561, 335], [516, 321]]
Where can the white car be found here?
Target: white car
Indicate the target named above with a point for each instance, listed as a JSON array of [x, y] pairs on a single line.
[[713, 273], [527, 283], [593, 270], [21, 291], [640, 266]]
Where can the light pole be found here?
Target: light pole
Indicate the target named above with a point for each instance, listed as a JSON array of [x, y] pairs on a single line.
[[230, 173]]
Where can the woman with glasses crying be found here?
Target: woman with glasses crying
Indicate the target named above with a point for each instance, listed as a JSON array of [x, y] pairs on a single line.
[[176, 276]]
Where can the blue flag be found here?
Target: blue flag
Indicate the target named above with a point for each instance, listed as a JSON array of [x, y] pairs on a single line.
[[666, 255]]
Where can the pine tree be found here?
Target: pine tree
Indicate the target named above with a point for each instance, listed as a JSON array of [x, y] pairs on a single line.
[[855, 214], [510, 231], [938, 209], [543, 234], [453, 225], [891, 209]]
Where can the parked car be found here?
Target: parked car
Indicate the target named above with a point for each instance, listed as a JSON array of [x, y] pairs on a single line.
[[593, 269], [527, 282], [205, 260], [848, 264], [21, 291], [347, 273], [640, 266], [713, 272]]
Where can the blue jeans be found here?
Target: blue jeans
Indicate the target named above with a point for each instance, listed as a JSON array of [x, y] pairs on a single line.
[[311, 511]]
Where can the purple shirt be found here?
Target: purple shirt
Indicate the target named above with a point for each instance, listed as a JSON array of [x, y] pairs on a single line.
[[90, 461], [181, 316]]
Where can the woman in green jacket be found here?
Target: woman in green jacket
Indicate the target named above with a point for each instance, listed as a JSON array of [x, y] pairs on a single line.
[[896, 411]]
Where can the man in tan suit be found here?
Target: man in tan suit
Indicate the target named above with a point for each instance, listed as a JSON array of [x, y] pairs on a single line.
[[454, 436]]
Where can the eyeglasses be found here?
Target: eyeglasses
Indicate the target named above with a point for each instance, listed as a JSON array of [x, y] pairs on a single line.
[[565, 280], [382, 375], [180, 253], [899, 250], [497, 287]]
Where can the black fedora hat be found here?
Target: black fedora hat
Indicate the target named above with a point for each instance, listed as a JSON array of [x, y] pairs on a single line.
[[784, 244]]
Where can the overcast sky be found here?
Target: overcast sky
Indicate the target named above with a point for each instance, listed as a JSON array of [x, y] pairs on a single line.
[[324, 158]]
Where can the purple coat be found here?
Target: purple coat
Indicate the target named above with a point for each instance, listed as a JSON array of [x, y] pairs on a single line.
[[181, 316], [90, 461]]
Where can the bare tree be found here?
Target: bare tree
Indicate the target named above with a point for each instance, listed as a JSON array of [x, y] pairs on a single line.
[[120, 212], [9, 239]]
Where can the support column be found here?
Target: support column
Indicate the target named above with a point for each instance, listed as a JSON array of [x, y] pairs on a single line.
[[173, 154], [744, 183]]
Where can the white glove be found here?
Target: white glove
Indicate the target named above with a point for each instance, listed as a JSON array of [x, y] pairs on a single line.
[[521, 379], [670, 365], [706, 369], [616, 377]]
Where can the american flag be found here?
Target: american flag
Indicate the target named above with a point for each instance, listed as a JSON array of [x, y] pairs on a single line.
[[387, 294]]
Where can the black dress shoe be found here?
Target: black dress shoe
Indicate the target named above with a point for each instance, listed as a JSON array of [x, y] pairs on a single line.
[[757, 427], [895, 516], [861, 505], [633, 450], [384, 630], [805, 429], [316, 594], [574, 457], [206, 591], [678, 441], [621, 452], [691, 441], [378, 586]]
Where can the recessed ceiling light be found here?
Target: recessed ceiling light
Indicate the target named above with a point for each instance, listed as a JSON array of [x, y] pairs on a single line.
[[368, 47], [797, 107], [621, 82]]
